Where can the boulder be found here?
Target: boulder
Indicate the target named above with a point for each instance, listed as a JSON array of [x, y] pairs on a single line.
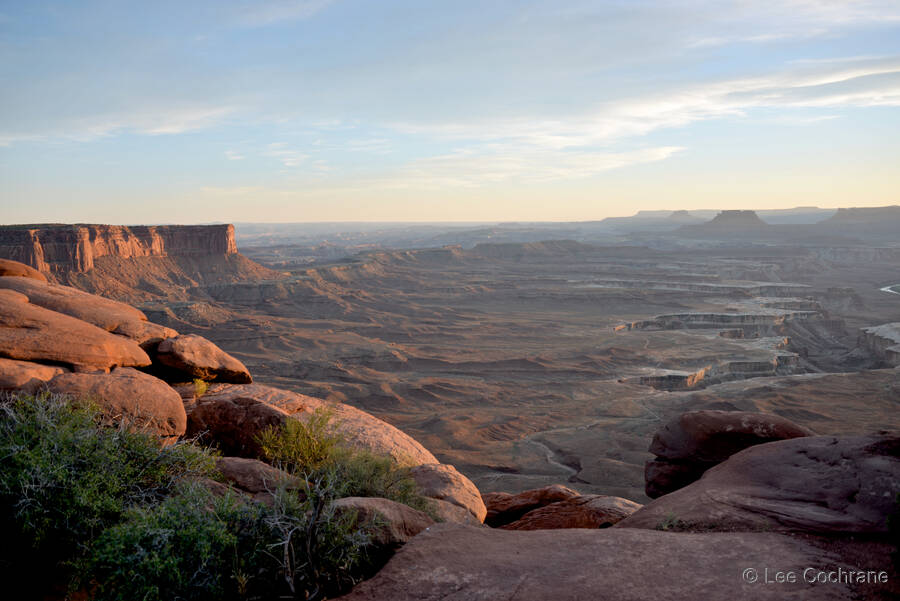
[[588, 511], [233, 424], [145, 402], [465, 563], [441, 481], [32, 333], [256, 479], [714, 436], [448, 512], [359, 428], [104, 313], [25, 376], [818, 484], [503, 507], [189, 356], [393, 523], [695, 441], [10, 268]]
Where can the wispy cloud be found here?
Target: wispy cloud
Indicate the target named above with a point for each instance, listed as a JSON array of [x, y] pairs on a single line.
[[154, 121], [874, 84], [233, 155], [266, 12], [473, 167], [289, 157]]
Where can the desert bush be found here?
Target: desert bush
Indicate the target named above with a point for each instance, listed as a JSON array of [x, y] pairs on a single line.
[[314, 450], [191, 546], [302, 446], [199, 547], [65, 476]]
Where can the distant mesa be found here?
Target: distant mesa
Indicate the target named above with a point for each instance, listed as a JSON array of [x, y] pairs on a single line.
[[736, 220], [682, 216], [863, 215]]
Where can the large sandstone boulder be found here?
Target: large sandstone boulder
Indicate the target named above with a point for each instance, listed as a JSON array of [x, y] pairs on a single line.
[[25, 376], [359, 428], [464, 563], [32, 333], [233, 424], [190, 356], [443, 482], [448, 512], [144, 401], [503, 507], [392, 523], [695, 441], [588, 511], [104, 313], [819, 484], [10, 268]]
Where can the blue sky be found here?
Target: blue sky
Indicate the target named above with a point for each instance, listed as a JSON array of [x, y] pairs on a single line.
[[330, 110]]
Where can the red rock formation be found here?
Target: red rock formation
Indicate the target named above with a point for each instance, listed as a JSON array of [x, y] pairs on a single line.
[[14, 268], [503, 507], [146, 402], [818, 484], [588, 511], [60, 249]]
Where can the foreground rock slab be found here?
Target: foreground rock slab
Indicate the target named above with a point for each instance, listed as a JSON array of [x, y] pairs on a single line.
[[465, 563], [140, 399], [191, 356], [819, 484], [32, 333]]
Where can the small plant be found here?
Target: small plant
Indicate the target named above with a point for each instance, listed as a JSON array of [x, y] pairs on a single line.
[[302, 447], [314, 449], [671, 522], [200, 387]]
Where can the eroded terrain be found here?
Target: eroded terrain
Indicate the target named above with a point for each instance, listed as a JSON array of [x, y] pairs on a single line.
[[537, 363]]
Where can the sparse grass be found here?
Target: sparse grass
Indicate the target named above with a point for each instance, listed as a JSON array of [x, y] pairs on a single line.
[[671, 523], [315, 450]]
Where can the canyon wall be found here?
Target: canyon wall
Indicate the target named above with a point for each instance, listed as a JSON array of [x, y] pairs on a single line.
[[59, 250]]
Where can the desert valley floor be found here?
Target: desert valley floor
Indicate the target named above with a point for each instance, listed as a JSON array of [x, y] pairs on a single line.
[[527, 364]]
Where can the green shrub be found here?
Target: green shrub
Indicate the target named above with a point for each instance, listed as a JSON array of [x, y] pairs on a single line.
[[64, 476], [192, 546], [302, 447], [198, 547], [314, 449]]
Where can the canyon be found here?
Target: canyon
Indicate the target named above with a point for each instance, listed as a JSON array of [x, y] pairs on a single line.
[[529, 363]]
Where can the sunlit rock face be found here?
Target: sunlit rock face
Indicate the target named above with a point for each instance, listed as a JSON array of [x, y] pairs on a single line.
[[59, 249]]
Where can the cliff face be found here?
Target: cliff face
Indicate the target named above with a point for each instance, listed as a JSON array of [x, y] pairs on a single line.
[[60, 250], [134, 263]]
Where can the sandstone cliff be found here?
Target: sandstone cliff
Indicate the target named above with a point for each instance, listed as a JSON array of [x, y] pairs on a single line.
[[132, 262], [60, 249]]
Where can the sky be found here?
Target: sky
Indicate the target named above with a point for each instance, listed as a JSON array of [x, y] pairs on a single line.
[[343, 110]]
